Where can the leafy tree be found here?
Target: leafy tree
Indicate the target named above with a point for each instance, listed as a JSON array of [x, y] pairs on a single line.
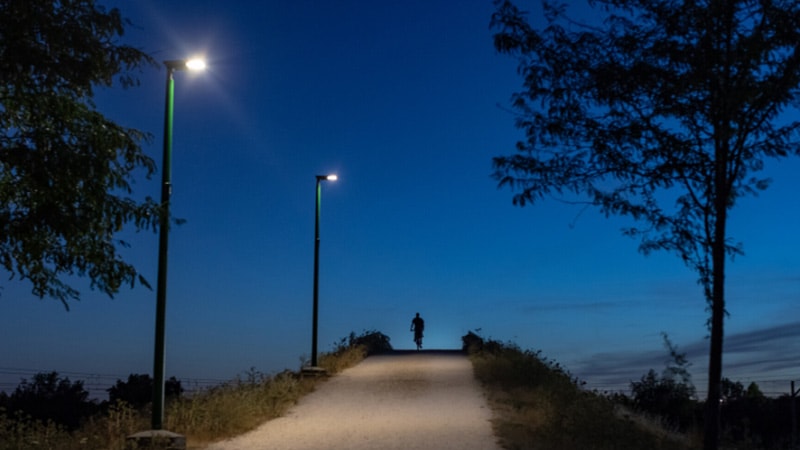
[[678, 366], [374, 342], [749, 416], [138, 390], [671, 395], [51, 397], [664, 113], [731, 390], [754, 392], [65, 169], [665, 397]]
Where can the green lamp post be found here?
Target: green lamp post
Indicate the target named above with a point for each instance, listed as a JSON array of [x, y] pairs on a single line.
[[166, 192], [315, 319]]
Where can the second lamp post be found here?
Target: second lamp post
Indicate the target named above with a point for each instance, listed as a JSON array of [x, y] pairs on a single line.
[[315, 319]]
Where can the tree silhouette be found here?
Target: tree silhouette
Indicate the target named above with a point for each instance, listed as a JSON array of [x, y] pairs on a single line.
[[664, 112], [671, 395], [50, 397], [138, 390]]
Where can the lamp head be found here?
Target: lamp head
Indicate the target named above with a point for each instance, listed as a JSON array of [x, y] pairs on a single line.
[[194, 64], [331, 177]]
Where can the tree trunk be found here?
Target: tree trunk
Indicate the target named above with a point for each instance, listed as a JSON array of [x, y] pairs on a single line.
[[712, 413], [721, 198]]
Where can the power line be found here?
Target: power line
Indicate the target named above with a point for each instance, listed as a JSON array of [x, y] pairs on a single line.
[[97, 384]]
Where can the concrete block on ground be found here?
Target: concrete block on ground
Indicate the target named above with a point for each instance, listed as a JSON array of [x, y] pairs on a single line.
[[155, 440]]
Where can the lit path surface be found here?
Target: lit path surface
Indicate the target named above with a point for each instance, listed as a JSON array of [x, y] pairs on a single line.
[[404, 400]]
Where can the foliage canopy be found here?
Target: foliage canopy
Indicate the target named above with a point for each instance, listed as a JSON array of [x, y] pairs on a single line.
[[65, 169], [656, 101], [138, 390]]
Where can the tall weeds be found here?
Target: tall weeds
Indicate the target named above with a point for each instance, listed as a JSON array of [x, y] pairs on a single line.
[[236, 407], [539, 405]]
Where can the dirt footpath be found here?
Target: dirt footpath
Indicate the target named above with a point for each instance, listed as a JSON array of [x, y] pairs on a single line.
[[404, 400]]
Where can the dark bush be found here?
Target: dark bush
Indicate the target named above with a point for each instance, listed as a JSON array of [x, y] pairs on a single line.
[[138, 390], [665, 397], [48, 397], [373, 341], [471, 343], [752, 417]]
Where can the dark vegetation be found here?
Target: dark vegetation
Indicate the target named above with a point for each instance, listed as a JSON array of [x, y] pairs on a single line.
[[53, 412], [138, 390], [539, 404], [49, 397], [373, 342]]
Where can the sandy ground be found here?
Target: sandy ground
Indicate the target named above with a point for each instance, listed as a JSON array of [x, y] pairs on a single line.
[[405, 400]]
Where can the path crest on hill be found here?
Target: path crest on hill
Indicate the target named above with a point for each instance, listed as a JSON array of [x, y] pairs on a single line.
[[401, 400]]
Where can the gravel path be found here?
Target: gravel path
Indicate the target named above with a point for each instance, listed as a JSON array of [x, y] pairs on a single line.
[[403, 400]]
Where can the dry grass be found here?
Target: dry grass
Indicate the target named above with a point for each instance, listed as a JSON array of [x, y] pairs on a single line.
[[236, 407], [107, 432], [538, 405]]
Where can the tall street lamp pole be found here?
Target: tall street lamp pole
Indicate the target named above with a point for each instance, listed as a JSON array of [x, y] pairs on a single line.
[[315, 320], [161, 289]]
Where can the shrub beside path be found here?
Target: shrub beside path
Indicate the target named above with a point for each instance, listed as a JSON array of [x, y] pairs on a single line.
[[401, 400]]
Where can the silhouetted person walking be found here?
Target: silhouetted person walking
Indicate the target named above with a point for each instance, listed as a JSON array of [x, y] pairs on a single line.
[[418, 326]]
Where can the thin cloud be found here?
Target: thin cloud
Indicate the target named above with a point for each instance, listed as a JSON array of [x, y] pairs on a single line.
[[768, 351], [756, 340]]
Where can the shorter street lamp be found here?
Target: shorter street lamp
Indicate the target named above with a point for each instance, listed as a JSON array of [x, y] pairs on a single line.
[[315, 320]]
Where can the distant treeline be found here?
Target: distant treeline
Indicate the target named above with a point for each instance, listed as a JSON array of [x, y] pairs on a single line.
[[51, 397]]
